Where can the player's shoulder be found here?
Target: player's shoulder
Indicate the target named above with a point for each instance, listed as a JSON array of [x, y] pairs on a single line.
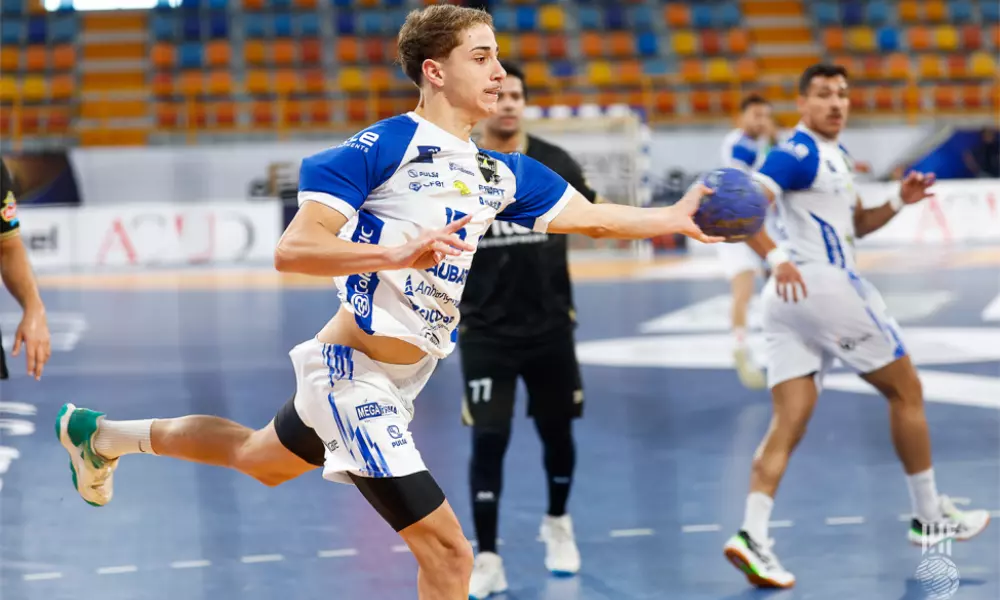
[[800, 146], [385, 141]]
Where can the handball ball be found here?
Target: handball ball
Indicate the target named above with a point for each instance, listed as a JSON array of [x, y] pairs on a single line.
[[736, 210]]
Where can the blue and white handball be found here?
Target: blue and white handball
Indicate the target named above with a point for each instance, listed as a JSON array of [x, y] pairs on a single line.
[[736, 210]]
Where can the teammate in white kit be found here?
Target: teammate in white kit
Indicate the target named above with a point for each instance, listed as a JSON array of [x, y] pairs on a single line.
[[744, 148], [817, 308], [394, 214]]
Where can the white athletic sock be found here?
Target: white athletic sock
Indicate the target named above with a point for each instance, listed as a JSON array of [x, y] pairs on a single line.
[[757, 516], [740, 335], [116, 438], [924, 496]]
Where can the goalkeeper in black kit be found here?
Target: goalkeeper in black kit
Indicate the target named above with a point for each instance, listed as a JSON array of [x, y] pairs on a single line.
[[518, 321]]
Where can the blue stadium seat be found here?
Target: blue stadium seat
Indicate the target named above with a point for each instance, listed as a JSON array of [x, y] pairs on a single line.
[[371, 22], [345, 23], [63, 28], [655, 67], [191, 55], [527, 18], [283, 25], [503, 18], [563, 68], [12, 7], [397, 18], [730, 15], [877, 13], [218, 4], [254, 25], [191, 26], [647, 44], [826, 14], [640, 17], [853, 13], [393, 4], [307, 25], [281, 3], [590, 18], [164, 27], [991, 11], [961, 11], [192, 5], [218, 25], [37, 30], [701, 16], [343, 3], [888, 39], [614, 17], [10, 30]]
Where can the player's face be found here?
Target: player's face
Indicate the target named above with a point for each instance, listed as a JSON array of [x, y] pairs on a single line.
[[755, 119], [473, 73], [825, 105], [510, 109]]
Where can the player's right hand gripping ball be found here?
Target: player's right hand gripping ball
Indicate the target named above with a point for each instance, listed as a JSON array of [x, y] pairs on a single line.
[[736, 210]]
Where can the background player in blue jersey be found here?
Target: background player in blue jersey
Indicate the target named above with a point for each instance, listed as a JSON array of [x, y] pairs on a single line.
[[518, 322], [744, 148], [394, 214], [32, 335], [818, 308]]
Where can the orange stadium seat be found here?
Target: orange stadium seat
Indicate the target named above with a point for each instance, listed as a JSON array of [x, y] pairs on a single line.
[[292, 112], [834, 39], [59, 120], [711, 43], [957, 66], [164, 56], [556, 46], [677, 15], [304, 4], [692, 70], [254, 52], [621, 44], [995, 35], [63, 57], [729, 100], [218, 53], [897, 66], [314, 81], [665, 102], [946, 97], [262, 113], [746, 69], [935, 11], [63, 87], [257, 82], [629, 72], [701, 101], [738, 41], [537, 74], [591, 44], [220, 83], [885, 98], [347, 50], [10, 58], [972, 96], [972, 37], [530, 46], [872, 67], [859, 98], [909, 11], [374, 50], [920, 38], [253, 4], [357, 110], [380, 79], [36, 58], [286, 82], [191, 83], [930, 66], [310, 51], [163, 84], [283, 52], [913, 98], [224, 114], [994, 96], [167, 116]]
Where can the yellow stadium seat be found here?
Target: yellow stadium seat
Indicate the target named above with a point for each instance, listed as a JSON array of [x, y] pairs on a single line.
[[552, 18], [8, 89], [861, 39], [599, 73], [537, 74], [352, 80], [35, 88], [719, 70], [946, 38], [983, 65], [506, 43], [685, 43]]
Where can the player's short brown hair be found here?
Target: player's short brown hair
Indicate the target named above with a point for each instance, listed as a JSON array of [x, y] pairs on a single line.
[[433, 32]]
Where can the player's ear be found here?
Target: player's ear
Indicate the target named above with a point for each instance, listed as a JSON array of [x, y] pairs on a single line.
[[433, 72]]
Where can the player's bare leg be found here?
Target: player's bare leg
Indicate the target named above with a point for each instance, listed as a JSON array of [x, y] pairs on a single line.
[[934, 516], [95, 445], [443, 554], [750, 549], [742, 286]]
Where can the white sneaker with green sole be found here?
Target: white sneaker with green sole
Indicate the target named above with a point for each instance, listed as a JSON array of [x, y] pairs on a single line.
[[92, 473]]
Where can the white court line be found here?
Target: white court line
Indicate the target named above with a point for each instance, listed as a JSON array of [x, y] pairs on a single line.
[[780, 524], [615, 533], [190, 564], [117, 570], [401, 549], [338, 553], [845, 520], [42, 576], [261, 558], [701, 528]]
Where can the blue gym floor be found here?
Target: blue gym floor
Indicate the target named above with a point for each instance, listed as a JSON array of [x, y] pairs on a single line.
[[663, 454]]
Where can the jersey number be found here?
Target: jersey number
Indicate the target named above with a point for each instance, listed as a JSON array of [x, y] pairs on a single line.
[[481, 390], [455, 215]]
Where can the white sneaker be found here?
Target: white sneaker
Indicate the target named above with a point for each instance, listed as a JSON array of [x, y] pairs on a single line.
[[92, 473], [562, 557], [751, 376], [488, 576], [955, 524], [757, 562]]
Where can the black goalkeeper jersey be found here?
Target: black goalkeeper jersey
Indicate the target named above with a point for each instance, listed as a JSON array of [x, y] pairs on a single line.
[[519, 287], [8, 204]]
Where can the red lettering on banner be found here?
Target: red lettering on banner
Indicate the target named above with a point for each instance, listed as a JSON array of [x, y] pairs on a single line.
[[932, 210], [209, 251], [117, 231]]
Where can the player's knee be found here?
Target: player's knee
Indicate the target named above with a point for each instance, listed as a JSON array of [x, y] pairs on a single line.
[[253, 459], [448, 555]]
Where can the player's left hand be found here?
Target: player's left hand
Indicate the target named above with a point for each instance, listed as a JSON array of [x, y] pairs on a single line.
[[682, 215], [33, 335], [914, 188]]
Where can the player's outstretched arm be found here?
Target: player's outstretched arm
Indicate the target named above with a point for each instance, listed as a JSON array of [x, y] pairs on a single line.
[[311, 246], [913, 189], [618, 221]]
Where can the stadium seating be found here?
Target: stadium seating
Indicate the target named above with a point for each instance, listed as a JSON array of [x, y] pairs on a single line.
[[286, 65]]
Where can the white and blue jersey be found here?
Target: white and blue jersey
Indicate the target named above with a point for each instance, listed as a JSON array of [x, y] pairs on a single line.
[[740, 151], [405, 175], [812, 179]]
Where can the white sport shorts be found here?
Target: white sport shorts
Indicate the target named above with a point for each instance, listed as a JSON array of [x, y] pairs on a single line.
[[737, 258], [843, 316], [360, 409]]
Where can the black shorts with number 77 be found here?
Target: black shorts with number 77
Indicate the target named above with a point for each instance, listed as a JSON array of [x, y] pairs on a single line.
[[491, 368]]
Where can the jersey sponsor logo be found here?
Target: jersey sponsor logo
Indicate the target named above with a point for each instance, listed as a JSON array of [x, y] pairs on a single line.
[[425, 154], [416, 186], [462, 187], [449, 272], [494, 204], [372, 410], [456, 167], [362, 141], [491, 191], [397, 435], [361, 287], [433, 316], [427, 289], [488, 167], [416, 173], [332, 445]]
